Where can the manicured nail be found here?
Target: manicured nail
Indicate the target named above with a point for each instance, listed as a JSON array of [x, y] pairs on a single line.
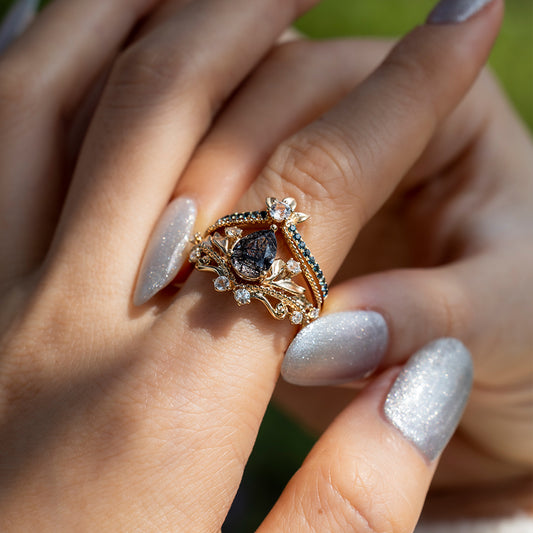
[[336, 348], [454, 11], [428, 398], [166, 249], [16, 21]]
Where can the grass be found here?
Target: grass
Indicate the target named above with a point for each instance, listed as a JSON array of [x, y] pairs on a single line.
[[511, 58]]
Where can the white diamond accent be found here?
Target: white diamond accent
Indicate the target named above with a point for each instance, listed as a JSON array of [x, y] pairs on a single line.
[[221, 284], [281, 309], [313, 314], [279, 211], [242, 296], [233, 232], [296, 317], [293, 266], [195, 254]]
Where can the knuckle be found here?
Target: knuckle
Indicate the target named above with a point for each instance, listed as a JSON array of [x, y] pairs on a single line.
[[318, 162], [345, 498], [147, 68], [454, 305], [411, 81]]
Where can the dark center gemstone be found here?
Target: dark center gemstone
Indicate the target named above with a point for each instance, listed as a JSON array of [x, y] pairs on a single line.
[[254, 254]]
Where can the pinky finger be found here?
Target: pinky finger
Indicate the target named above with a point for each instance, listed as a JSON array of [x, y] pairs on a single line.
[[370, 471]]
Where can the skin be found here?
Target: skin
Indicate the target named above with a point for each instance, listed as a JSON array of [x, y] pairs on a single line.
[[115, 417]]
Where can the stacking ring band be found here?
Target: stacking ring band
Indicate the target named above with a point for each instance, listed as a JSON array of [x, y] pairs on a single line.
[[244, 257]]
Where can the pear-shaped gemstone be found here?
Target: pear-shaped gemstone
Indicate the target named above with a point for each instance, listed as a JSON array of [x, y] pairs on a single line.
[[254, 254]]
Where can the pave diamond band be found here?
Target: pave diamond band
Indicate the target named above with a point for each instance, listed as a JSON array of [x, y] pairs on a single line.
[[242, 248]]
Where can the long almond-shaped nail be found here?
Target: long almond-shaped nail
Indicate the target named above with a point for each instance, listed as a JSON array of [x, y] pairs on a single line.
[[336, 348], [16, 21], [166, 249], [455, 11], [428, 398]]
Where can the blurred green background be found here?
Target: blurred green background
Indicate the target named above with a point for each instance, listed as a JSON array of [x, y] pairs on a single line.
[[511, 59], [281, 444]]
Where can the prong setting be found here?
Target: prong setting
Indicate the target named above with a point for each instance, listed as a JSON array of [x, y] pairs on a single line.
[[266, 278]]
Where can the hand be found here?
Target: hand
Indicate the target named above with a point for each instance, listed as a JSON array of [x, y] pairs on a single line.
[[116, 417], [435, 262]]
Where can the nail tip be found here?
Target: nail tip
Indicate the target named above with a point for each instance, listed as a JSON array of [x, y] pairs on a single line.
[[139, 299], [455, 11], [166, 249], [441, 375], [337, 348], [146, 291]]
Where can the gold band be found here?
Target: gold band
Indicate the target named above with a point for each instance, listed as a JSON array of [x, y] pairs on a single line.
[[246, 264]]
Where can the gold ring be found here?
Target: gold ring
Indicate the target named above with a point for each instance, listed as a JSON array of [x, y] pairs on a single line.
[[245, 261]]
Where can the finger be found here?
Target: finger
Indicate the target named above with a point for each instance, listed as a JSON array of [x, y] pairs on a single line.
[[347, 345], [163, 91], [467, 233], [371, 469], [350, 161], [80, 36], [375, 321], [309, 78], [99, 29]]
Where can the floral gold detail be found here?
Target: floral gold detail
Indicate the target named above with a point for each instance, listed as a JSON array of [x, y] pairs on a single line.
[[241, 249]]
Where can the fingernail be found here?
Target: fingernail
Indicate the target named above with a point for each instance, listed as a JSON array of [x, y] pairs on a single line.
[[16, 21], [454, 11], [166, 249], [427, 399], [336, 348]]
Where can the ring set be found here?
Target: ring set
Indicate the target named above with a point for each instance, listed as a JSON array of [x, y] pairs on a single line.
[[242, 248]]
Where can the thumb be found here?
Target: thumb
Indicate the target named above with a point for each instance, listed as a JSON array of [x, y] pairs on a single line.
[[370, 471]]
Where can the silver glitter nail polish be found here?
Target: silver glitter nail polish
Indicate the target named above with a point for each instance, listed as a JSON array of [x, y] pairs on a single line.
[[166, 249], [454, 11], [336, 348], [427, 399]]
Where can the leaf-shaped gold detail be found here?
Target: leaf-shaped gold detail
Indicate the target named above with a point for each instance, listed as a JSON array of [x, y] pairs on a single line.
[[220, 242], [296, 218], [289, 286], [291, 202], [277, 268]]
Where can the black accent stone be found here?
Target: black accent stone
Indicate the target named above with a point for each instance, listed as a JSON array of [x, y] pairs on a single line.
[[254, 254]]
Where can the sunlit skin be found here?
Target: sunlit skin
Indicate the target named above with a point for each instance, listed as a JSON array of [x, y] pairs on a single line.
[[117, 417]]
